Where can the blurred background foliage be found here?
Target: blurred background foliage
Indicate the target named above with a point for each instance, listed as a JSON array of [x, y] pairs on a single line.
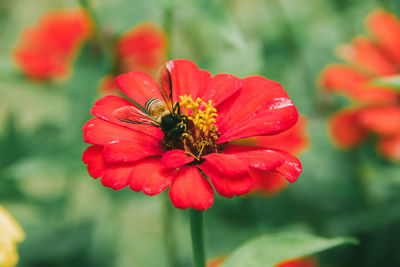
[[70, 219]]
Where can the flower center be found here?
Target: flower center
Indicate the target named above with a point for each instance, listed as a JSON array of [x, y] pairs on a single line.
[[201, 137]]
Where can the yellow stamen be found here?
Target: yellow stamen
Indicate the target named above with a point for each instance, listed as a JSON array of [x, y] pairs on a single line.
[[203, 144], [203, 116]]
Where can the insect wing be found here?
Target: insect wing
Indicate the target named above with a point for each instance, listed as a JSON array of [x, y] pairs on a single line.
[[166, 85], [132, 114]]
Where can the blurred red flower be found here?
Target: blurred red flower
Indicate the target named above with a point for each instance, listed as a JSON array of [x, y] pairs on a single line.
[[295, 140], [142, 48], [376, 108], [301, 262], [149, 159], [45, 50], [216, 262]]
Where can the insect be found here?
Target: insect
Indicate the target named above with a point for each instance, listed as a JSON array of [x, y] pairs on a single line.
[[161, 113]]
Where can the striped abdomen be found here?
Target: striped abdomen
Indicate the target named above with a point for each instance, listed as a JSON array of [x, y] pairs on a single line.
[[155, 107]]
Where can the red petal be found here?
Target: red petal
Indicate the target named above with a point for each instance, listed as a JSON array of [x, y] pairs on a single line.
[[220, 87], [373, 94], [293, 140], [257, 97], [227, 164], [256, 124], [268, 159], [341, 78], [63, 29], [191, 190], [390, 147], [382, 120], [142, 48], [346, 80], [117, 176], [151, 177], [363, 53], [216, 262], [105, 106], [302, 262], [93, 157], [267, 183], [185, 78], [40, 67], [138, 86], [100, 132], [175, 158], [345, 128], [46, 49], [129, 151], [108, 86], [386, 28], [291, 168], [227, 185], [256, 157], [205, 76]]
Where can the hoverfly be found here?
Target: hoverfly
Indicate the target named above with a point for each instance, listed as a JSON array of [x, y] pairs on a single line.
[[161, 113]]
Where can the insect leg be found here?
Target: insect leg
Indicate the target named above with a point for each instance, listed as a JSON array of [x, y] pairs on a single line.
[[177, 109], [185, 121]]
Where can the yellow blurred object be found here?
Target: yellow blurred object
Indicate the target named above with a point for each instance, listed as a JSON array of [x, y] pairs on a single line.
[[10, 234]]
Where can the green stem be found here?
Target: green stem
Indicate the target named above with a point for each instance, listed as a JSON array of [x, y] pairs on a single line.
[[169, 240], [196, 229], [99, 37], [88, 7], [168, 17]]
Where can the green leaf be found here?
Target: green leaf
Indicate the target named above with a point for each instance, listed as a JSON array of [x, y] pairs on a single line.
[[391, 81], [269, 250]]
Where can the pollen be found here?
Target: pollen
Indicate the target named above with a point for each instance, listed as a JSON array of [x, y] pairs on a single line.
[[202, 137]]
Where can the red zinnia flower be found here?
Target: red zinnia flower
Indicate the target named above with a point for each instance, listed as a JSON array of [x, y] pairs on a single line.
[[45, 51], [294, 140], [142, 48], [216, 262], [300, 262], [378, 107], [192, 141]]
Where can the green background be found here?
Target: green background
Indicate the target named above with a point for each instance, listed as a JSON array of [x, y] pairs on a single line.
[[72, 220]]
